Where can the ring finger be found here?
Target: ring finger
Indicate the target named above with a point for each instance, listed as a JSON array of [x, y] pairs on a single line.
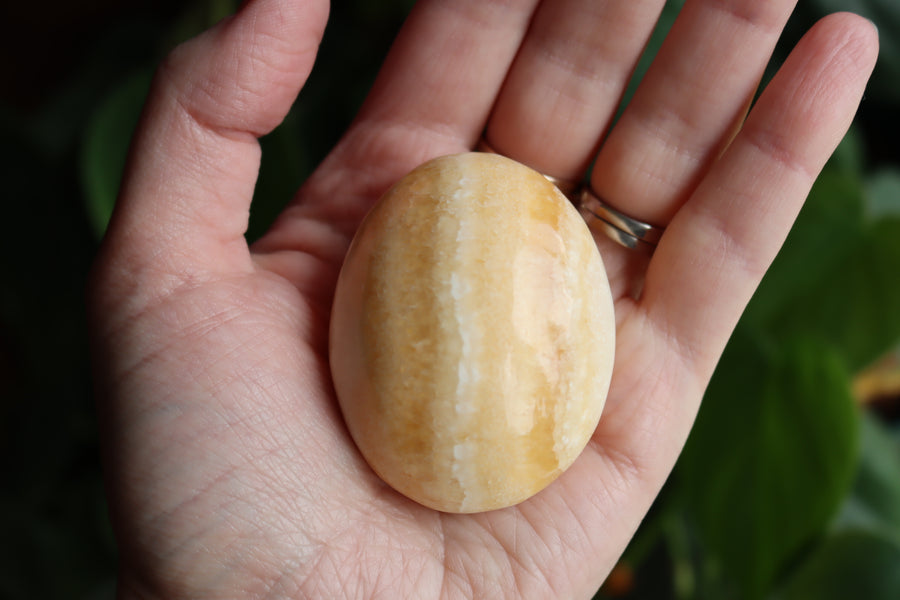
[[566, 82], [689, 105]]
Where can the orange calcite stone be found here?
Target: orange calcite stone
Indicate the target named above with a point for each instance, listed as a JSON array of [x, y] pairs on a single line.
[[472, 334]]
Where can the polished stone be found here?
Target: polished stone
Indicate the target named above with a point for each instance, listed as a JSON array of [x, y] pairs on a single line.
[[472, 334]]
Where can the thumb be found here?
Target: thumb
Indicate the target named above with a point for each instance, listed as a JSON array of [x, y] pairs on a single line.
[[185, 198]]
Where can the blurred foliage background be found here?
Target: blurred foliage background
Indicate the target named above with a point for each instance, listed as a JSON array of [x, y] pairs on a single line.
[[789, 487]]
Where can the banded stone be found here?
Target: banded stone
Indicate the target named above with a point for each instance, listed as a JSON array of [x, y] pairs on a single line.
[[472, 334]]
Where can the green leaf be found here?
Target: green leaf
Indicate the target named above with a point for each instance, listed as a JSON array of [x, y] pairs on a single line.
[[105, 147], [856, 306], [827, 229], [875, 500], [771, 457], [883, 194], [836, 277], [849, 157], [851, 564]]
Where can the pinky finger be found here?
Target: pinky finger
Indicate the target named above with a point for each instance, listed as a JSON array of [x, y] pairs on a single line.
[[720, 244]]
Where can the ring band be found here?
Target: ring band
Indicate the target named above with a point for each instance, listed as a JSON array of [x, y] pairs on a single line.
[[566, 186], [623, 229]]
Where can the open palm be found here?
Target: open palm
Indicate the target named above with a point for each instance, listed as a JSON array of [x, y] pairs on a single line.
[[230, 472]]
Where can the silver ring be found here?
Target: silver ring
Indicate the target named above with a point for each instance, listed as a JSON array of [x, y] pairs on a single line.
[[566, 186], [623, 229]]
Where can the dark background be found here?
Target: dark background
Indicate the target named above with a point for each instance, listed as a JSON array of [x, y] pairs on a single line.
[[72, 77]]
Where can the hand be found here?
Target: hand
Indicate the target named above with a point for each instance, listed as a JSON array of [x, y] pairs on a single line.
[[230, 472]]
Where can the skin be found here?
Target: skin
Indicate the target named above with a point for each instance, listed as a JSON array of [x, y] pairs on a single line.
[[229, 469]]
